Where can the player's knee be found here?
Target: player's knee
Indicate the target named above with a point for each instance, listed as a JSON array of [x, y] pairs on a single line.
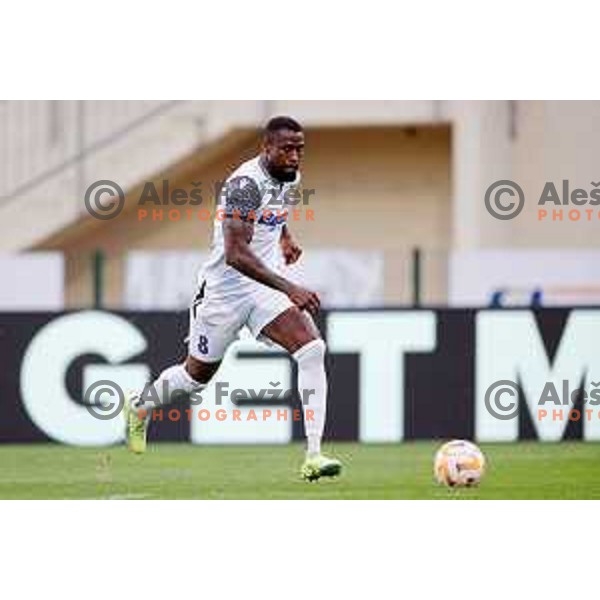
[[312, 352], [200, 371]]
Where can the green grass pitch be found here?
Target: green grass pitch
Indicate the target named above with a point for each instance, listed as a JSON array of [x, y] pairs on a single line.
[[399, 471]]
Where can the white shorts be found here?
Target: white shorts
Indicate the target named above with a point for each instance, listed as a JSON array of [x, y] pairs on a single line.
[[216, 322]]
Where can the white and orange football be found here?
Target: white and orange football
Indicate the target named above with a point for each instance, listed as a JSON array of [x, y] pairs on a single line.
[[459, 463]]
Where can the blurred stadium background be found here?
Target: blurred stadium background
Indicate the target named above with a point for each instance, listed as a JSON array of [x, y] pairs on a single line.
[[390, 179], [400, 222]]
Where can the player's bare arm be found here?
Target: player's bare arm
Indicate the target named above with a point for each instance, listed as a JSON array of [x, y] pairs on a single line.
[[239, 255], [289, 247], [242, 200]]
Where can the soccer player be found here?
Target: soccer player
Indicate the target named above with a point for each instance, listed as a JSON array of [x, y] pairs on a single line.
[[240, 286]]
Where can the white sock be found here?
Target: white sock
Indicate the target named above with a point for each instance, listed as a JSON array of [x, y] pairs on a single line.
[[171, 380], [312, 384]]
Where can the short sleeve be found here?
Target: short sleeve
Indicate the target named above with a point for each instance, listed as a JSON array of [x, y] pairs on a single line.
[[241, 197]]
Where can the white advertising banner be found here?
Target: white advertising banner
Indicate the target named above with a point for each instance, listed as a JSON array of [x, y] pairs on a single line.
[[163, 280], [166, 280], [515, 277], [32, 281]]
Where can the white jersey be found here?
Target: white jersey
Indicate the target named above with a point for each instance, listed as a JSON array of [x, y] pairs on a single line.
[[249, 193]]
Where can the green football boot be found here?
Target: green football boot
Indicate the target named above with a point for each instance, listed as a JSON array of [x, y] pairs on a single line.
[[136, 424], [318, 466]]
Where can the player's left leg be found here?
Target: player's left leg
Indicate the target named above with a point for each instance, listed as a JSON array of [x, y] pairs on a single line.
[[296, 332]]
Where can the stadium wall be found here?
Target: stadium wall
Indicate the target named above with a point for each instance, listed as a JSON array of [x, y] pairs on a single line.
[[385, 189]]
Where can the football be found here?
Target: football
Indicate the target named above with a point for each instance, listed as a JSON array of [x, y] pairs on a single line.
[[459, 463]]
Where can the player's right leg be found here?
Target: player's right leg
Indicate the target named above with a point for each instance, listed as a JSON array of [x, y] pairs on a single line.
[[191, 376], [213, 326]]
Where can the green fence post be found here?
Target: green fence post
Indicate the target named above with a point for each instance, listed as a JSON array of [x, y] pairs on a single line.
[[98, 278], [416, 276]]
